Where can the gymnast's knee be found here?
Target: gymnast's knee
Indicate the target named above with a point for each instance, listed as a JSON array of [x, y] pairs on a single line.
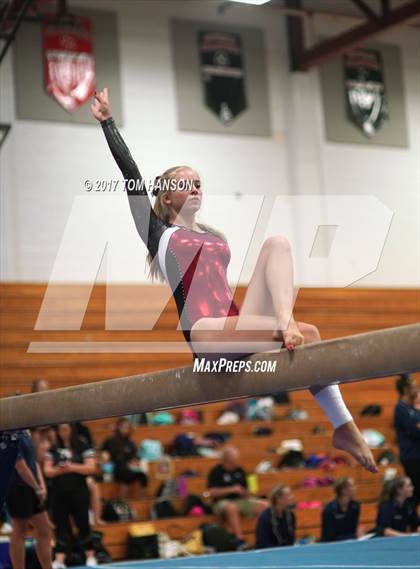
[[277, 242]]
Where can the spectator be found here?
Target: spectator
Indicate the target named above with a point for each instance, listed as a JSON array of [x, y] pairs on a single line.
[[396, 512], [122, 451], [25, 503], [228, 488], [68, 464], [340, 517], [407, 426], [277, 524], [83, 432]]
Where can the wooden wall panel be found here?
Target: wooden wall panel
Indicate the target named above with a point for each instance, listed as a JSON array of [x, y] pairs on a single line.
[[336, 312]]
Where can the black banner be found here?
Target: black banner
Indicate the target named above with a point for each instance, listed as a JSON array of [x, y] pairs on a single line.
[[222, 74], [365, 87]]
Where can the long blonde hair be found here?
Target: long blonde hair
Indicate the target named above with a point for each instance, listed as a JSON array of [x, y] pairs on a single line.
[[163, 213]]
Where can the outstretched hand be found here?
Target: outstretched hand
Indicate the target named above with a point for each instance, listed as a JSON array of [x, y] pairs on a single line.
[[101, 109]]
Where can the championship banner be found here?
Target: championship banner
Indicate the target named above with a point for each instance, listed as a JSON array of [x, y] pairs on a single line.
[[222, 74], [69, 64], [366, 97]]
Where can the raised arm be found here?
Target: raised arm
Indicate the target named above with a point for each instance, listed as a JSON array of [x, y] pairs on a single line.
[[148, 224]]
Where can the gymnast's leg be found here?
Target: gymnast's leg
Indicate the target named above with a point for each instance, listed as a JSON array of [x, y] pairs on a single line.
[[271, 289], [271, 292]]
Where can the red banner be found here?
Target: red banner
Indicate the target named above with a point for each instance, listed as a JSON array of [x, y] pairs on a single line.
[[69, 64]]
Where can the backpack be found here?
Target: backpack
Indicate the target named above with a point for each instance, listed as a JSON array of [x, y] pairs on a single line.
[[193, 501], [371, 411], [218, 538], [292, 459], [262, 432], [162, 418], [184, 445], [117, 511], [163, 509], [220, 437], [150, 450], [143, 547], [168, 489], [189, 417]]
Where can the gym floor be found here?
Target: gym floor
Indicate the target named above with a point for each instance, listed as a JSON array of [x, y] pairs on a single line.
[[379, 553]]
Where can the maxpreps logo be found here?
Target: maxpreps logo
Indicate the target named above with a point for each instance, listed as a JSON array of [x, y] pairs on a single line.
[[336, 240], [223, 365]]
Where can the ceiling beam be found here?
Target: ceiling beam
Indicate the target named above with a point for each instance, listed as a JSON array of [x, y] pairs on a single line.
[[386, 8], [303, 59], [9, 36], [366, 9]]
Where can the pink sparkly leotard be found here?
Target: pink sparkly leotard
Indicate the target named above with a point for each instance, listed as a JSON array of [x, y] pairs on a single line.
[[193, 263]]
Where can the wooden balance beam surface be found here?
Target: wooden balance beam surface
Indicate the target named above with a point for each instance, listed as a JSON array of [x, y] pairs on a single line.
[[354, 358]]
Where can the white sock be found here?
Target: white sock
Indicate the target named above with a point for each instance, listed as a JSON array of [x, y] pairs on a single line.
[[332, 403]]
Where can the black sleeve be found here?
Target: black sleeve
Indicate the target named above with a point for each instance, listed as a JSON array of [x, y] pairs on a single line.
[[384, 517], [294, 527], [148, 224], [406, 422], [357, 515], [413, 519], [264, 533], [328, 525]]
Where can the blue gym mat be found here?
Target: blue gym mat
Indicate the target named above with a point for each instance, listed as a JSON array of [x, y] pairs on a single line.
[[379, 553]]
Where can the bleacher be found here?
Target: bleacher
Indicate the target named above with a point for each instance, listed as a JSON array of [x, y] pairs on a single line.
[[253, 450], [336, 312]]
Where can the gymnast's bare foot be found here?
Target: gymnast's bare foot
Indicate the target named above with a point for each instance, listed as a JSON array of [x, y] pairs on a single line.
[[350, 439], [291, 337]]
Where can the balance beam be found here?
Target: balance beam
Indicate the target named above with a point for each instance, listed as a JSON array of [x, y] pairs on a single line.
[[354, 358]]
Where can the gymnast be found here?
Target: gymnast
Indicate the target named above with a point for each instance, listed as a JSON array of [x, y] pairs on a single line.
[[193, 257]]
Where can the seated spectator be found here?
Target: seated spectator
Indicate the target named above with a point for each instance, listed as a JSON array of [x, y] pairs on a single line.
[[228, 489], [68, 464], [122, 451], [396, 512], [340, 517], [277, 524], [407, 426]]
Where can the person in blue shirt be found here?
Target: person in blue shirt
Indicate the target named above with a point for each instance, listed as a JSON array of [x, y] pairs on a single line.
[[340, 517], [396, 512], [25, 503], [407, 426], [277, 524]]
